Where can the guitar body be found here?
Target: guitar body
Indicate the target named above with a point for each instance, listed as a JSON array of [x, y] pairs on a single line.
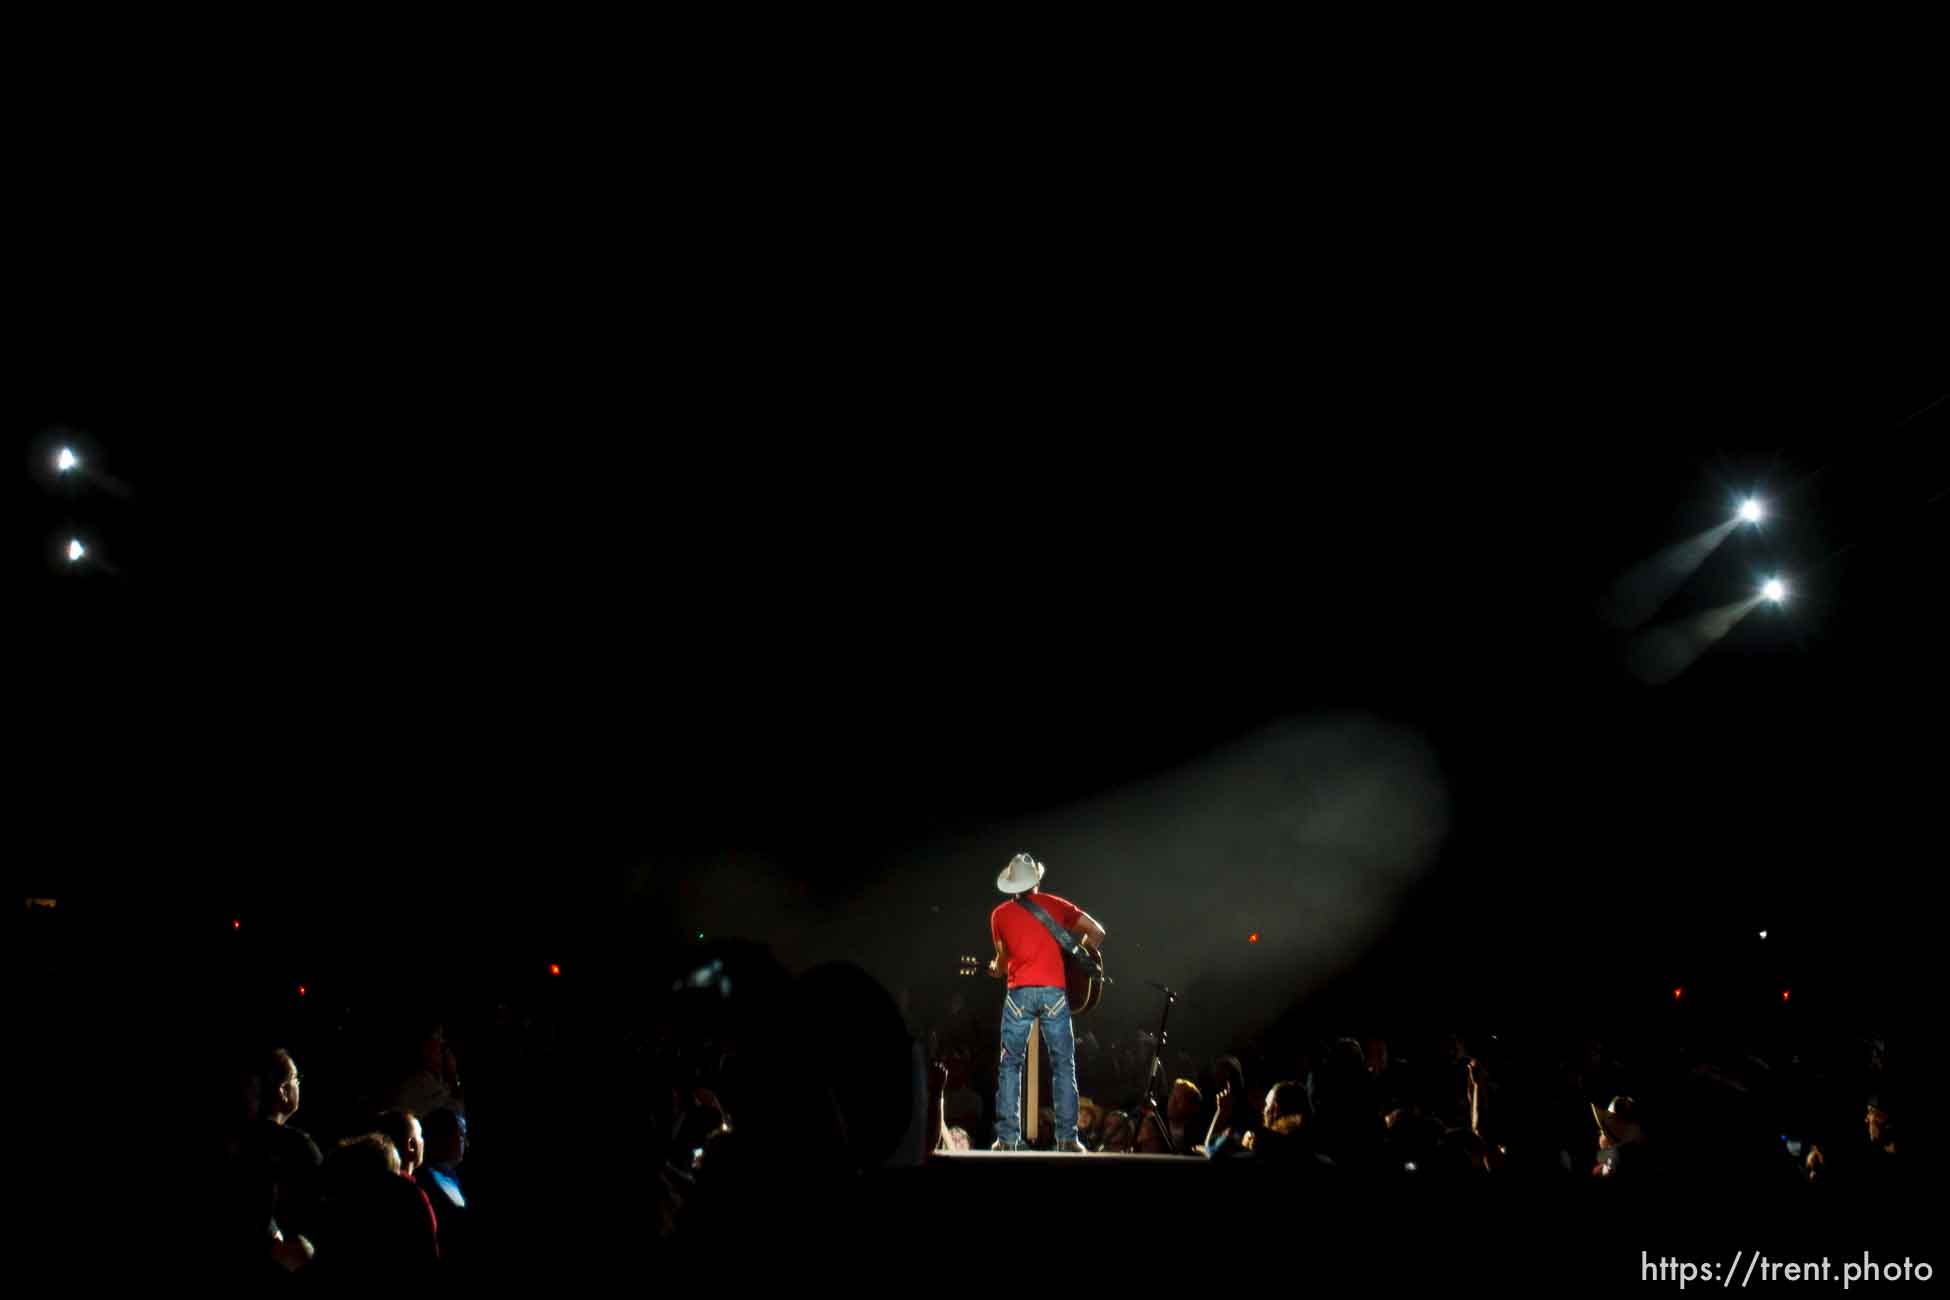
[[1084, 981]]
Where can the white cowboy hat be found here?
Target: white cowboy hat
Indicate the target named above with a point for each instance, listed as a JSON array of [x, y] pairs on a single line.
[[1023, 873]]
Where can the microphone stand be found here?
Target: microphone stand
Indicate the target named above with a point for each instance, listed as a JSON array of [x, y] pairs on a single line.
[[1151, 1101]]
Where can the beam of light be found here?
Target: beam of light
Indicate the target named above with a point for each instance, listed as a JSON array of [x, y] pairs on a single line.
[[75, 550], [1326, 821], [1775, 590], [66, 460], [1636, 594], [1657, 655]]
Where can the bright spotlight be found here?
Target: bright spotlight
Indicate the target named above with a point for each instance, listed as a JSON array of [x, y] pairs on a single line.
[[66, 460], [1750, 510], [75, 550], [1775, 590]]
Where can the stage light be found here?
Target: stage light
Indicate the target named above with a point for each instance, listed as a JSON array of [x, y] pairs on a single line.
[[554, 969], [66, 460], [1751, 511], [1678, 994], [301, 990], [1784, 994], [1763, 934], [236, 925], [75, 549], [1775, 590], [1253, 937]]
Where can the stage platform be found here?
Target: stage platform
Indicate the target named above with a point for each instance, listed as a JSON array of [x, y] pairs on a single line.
[[1069, 1158]]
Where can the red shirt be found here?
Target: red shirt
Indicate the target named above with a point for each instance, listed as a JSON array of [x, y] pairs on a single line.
[[1034, 959]]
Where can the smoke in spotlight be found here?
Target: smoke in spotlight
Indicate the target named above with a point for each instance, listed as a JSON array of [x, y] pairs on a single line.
[[1658, 655], [1638, 593], [1316, 827], [1310, 834]]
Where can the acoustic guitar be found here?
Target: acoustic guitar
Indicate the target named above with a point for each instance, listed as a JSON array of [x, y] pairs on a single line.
[[1084, 978]]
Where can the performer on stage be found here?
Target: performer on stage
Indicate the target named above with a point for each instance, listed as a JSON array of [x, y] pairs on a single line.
[[1028, 956]]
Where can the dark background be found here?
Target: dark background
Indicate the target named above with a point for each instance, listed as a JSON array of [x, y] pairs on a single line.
[[773, 550]]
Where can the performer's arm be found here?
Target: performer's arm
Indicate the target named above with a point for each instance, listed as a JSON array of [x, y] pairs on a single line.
[[1000, 962], [1088, 929]]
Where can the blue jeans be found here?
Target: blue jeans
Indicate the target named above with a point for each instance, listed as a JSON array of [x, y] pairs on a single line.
[[1021, 1009]]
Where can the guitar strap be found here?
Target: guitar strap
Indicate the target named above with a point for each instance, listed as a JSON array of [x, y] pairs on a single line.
[[1064, 939]]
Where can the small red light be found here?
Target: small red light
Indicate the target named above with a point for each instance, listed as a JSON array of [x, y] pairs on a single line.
[[1678, 994], [236, 925], [1253, 937], [553, 969], [301, 990], [1784, 994]]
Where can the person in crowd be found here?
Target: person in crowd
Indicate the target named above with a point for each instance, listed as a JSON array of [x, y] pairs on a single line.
[[375, 1226], [291, 1156]]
